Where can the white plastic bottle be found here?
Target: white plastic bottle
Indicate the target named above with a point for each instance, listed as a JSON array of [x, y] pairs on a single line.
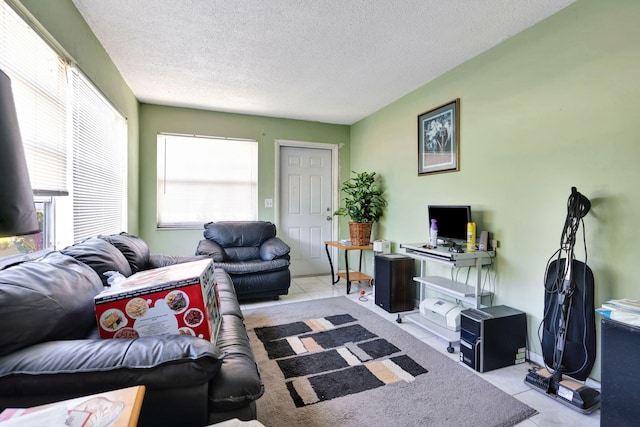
[[433, 233]]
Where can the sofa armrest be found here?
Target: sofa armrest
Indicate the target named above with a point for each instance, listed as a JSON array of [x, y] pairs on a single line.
[[156, 260], [95, 365], [273, 248], [211, 249]]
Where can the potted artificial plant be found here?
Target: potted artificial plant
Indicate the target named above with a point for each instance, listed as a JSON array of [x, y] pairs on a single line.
[[363, 204]]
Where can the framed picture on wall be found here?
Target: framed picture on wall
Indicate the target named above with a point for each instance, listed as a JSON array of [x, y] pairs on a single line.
[[439, 139]]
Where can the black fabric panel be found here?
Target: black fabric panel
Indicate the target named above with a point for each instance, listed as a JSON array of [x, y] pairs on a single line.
[[270, 333], [312, 363], [378, 348], [339, 336], [409, 365], [341, 383], [340, 319]]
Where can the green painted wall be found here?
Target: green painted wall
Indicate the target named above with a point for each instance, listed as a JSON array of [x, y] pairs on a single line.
[[265, 130], [62, 22], [554, 107]]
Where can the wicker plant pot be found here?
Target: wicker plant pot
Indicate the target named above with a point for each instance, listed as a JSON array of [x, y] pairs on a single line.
[[360, 233]]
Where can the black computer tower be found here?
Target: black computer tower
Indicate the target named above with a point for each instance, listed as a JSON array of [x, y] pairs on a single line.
[[492, 337], [393, 281]]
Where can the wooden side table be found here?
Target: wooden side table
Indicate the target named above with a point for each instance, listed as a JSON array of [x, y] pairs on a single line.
[[131, 397], [354, 276]]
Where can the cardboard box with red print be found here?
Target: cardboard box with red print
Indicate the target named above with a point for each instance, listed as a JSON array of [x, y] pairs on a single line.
[[178, 299]]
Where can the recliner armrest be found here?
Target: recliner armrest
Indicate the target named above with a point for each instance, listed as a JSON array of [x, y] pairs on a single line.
[[211, 249], [273, 248]]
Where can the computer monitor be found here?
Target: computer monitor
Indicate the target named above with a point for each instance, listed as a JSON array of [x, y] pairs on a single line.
[[452, 222]]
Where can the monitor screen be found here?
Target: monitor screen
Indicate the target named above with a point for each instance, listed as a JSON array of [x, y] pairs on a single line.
[[452, 222]]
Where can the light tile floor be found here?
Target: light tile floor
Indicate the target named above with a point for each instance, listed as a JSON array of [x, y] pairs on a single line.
[[509, 379]]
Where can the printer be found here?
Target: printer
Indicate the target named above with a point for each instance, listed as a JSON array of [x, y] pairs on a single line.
[[440, 312]]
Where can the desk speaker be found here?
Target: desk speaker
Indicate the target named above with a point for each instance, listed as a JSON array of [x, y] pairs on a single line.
[[394, 287]]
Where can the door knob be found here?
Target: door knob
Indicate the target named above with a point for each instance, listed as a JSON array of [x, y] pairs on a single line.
[[328, 217]]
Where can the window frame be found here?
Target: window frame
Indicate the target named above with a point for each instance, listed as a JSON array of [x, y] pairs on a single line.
[[245, 178]]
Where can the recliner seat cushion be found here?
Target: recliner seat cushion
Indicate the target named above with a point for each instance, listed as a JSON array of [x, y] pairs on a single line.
[[50, 299], [253, 266], [101, 256]]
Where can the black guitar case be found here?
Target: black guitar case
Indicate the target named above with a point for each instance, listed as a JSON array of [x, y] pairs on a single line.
[[579, 351]]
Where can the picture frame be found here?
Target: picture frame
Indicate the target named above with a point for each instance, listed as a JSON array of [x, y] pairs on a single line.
[[439, 139]]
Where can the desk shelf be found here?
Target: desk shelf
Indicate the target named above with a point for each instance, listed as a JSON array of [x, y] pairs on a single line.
[[354, 276], [450, 287], [452, 337], [469, 294]]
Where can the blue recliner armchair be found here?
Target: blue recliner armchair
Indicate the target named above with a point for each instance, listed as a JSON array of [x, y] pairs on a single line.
[[250, 252]]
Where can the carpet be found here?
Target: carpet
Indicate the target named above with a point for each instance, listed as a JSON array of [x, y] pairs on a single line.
[[331, 362]]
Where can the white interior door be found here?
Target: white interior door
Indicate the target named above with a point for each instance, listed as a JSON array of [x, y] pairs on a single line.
[[306, 206]]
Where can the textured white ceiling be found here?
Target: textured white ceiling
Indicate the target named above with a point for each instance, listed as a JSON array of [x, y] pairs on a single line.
[[333, 61]]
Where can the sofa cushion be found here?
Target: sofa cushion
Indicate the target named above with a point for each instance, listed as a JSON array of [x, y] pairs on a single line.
[[273, 248], [92, 365], [134, 249], [238, 382], [50, 299], [239, 233], [99, 255]]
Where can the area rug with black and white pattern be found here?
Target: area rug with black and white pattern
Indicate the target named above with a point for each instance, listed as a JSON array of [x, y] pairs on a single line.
[[332, 362]]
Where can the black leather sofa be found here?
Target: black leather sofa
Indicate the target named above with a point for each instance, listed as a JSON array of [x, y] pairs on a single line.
[[256, 260], [50, 348]]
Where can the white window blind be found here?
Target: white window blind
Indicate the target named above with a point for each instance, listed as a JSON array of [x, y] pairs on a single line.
[[99, 163], [39, 86], [202, 179]]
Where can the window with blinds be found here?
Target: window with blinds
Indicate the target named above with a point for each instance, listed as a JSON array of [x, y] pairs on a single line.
[[99, 163], [39, 84], [75, 140], [202, 179]]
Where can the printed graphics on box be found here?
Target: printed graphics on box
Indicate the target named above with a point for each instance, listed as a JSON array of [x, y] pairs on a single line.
[[177, 299]]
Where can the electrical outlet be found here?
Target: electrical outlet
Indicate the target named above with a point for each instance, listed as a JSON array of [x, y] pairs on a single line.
[[268, 203]]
